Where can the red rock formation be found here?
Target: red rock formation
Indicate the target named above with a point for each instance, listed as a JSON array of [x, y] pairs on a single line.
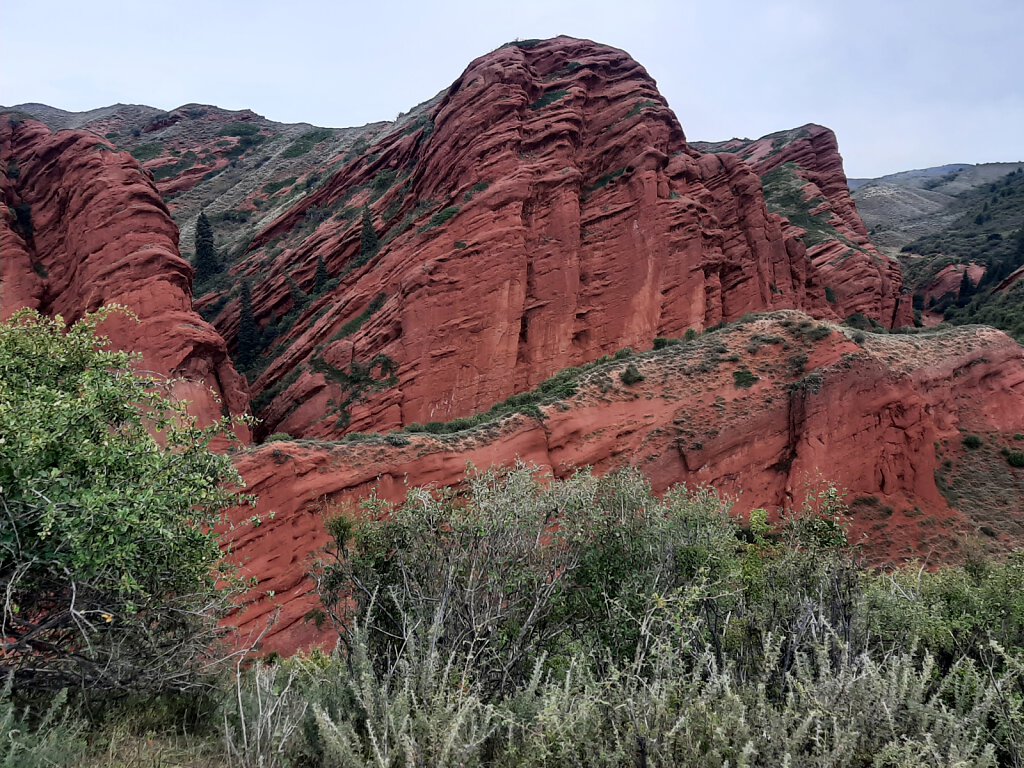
[[99, 234], [861, 278], [882, 419], [947, 281], [545, 212]]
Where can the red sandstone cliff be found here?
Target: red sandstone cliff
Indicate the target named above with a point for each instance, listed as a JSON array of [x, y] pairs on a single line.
[[883, 419], [84, 227], [861, 279], [545, 211]]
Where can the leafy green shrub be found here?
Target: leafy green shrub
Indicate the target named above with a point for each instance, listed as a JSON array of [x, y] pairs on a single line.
[[273, 187], [548, 98], [306, 142], [382, 182], [1014, 458], [797, 364], [605, 180], [108, 561], [480, 186], [640, 106], [972, 442], [441, 218], [812, 382], [611, 542], [145, 152], [239, 129], [631, 375], [23, 220], [359, 321], [818, 333], [527, 44], [744, 378]]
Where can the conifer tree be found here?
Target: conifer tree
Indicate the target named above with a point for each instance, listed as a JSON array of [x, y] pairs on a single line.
[[966, 288], [248, 346], [370, 242], [207, 264], [322, 275]]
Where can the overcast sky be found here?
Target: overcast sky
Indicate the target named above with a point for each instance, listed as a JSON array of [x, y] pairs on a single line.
[[904, 84]]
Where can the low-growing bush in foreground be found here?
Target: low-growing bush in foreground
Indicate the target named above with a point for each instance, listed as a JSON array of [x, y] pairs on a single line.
[[526, 621]]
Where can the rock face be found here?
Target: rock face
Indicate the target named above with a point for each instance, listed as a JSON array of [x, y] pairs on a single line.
[[239, 167], [947, 281], [804, 181], [545, 211], [882, 419], [84, 227]]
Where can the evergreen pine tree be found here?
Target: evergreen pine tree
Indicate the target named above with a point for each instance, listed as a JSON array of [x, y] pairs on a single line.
[[248, 346], [966, 288], [322, 275], [207, 263], [370, 242], [299, 297]]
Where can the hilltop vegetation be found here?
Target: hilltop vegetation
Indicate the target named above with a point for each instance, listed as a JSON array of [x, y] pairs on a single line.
[[988, 233]]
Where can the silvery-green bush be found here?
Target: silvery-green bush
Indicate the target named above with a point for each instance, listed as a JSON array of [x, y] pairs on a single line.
[[586, 622]]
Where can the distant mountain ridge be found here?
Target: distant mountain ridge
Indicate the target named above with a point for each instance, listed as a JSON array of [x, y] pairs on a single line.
[[901, 207]]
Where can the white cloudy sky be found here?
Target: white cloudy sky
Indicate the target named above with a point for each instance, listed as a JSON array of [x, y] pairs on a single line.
[[904, 83]]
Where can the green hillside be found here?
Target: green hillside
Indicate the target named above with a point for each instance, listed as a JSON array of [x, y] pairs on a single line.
[[988, 232]]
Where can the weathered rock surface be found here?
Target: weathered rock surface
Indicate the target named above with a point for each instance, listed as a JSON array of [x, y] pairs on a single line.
[[882, 419], [542, 213], [946, 283], [545, 211], [241, 168], [84, 227], [804, 181]]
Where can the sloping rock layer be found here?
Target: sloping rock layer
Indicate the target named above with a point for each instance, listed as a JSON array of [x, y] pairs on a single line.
[[767, 412], [83, 227], [545, 211]]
